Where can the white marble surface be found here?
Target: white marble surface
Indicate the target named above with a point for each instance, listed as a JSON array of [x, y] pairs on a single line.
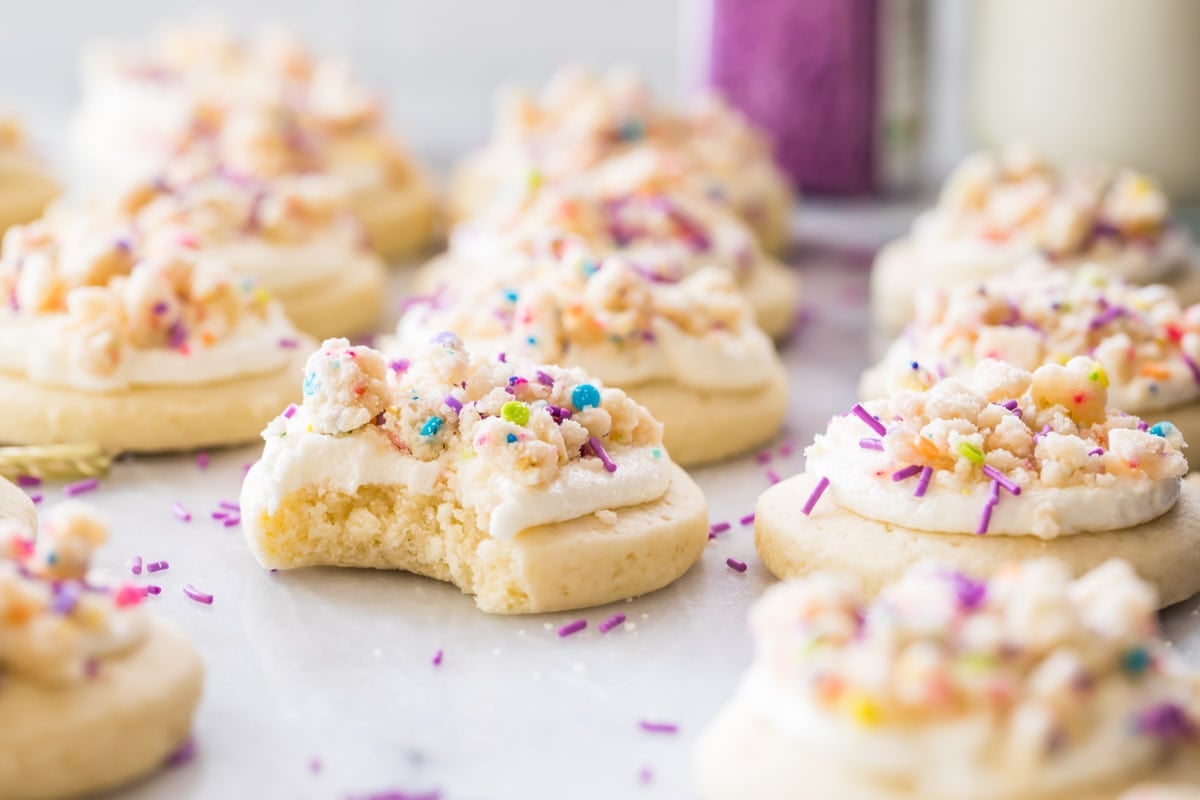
[[320, 682]]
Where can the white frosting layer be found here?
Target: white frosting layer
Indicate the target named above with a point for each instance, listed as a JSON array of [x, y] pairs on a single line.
[[860, 480], [36, 347], [284, 268], [345, 463]]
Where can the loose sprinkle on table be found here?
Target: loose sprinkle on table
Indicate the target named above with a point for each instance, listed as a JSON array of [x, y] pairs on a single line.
[[610, 623], [659, 727], [747, 520], [28, 481], [135, 566], [572, 627], [80, 487], [202, 460], [182, 754], [717, 528], [772, 477], [157, 566], [36, 497], [182, 513], [735, 565], [437, 658], [195, 594]]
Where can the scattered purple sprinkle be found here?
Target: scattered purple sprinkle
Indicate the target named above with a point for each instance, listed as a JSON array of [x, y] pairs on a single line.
[[658, 727], [289, 343], [970, 592], [290, 411], [202, 460], [195, 594], [157, 566], [219, 514], [153, 589], [923, 482], [135, 566], [610, 623], [80, 487], [906, 473], [764, 457], [821, 486], [229, 505], [182, 513], [717, 528], [314, 764], [1001, 479], [748, 519], [1143, 425], [36, 497], [602, 454], [866, 417], [453, 403], [787, 448], [1096, 451], [1191, 363], [437, 657], [646, 775], [869, 443], [735, 565], [28, 481], [234, 520], [1011, 405], [182, 754], [772, 477], [572, 627], [1166, 721]]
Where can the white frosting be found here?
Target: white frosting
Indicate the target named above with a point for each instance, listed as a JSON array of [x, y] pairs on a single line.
[[284, 268]]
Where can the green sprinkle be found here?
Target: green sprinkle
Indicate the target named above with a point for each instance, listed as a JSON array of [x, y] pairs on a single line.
[[515, 412], [970, 452]]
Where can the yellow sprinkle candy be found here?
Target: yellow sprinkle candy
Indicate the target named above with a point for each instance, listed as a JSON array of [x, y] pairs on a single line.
[[1061, 358], [863, 710], [262, 296]]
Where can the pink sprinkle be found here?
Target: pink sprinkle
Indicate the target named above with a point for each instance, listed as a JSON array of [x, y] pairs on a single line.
[[181, 512], [80, 487], [28, 481], [314, 765], [289, 344], [866, 417], [234, 520], [923, 482], [195, 594], [152, 589], [772, 477], [135, 566], [220, 514], [747, 520], [290, 411], [822, 485], [646, 775], [157, 566], [659, 727], [183, 754], [229, 505], [787, 448], [735, 565], [610, 623], [36, 497], [202, 460], [572, 627], [437, 658], [764, 457]]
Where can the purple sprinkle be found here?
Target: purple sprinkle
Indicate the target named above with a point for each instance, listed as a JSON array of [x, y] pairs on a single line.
[[79, 487], [183, 754], [572, 627], [181, 512], [1143, 425], [786, 448], [229, 505], [600, 453], [157, 566], [866, 417], [763, 457], [437, 658], [735, 565], [822, 485], [906, 473], [503, 359], [235, 520], [314, 764], [453, 403], [716, 528], [160, 308], [772, 477], [1192, 366], [1096, 451], [28, 481], [195, 594], [202, 460], [1001, 479], [1011, 405], [544, 378], [646, 775], [289, 344], [36, 497], [1105, 317], [152, 589], [658, 727], [219, 514], [610, 623], [290, 411], [970, 592], [923, 482], [66, 597], [135, 566], [868, 443], [399, 366], [1166, 721], [985, 518], [747, 519]]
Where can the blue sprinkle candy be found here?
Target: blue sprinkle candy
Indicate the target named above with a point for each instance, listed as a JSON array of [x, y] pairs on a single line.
[[431, 426], [585, 396], [310, 383], [512, 437], [1162, 429], [510, 295], [1135, 661]]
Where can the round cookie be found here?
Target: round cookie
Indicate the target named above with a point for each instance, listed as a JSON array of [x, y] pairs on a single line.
[[400, 221], [343, 304], [26, 188], [1164, 551]]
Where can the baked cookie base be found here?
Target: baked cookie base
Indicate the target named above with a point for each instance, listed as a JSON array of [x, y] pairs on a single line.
[[24, 200], [105, 731], [706, 426], [741, 756], [399, 221], [566, 565], [346, 304], [150, 419], [1164, 551]]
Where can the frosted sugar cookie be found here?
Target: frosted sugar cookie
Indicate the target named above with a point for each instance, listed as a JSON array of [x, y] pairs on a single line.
[[684, 346], [25, 185], [998, 466], [667, 234], [589, 123], [161, 353], [294, 235], [263, 107], [1028, 686], [95, 692], [997, 211], [1148, 344], [532, 487]]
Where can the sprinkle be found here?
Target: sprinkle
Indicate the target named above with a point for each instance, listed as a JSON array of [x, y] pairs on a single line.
[[1001, 479], [1167, 721], [1191, 363], [1162, 429], [585, 396], [544, 378], [437, 658], [503, 359], [786, 448], [645, 775], [747, 520], [864, 711], [1105, 317], [970, 592], [28, 481], [79, 487], [866, 417], [36, 497], [1098, 375], [1136, 661], [772, 477], [234, 520], [129, 596], [202, 460], [906, 473], [452, 402], [135, 566], [1096, 451], [600, 453], [1011, 405], [515, 412], [868, 443], [181, 512], [157, 566], [610, 623], [970, 452], [764, 457], [822, 485], [735, 565], [658, 727], [923, 482], [572, 627], [195, 594], [431, 426], [229, 505], [985, 519], [400, 366], [152, 589], [1142, 425], [182, 754], [289, 343], [219, 514], [719, 527]]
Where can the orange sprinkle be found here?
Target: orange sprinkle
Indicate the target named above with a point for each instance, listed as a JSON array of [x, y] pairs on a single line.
[[926, 448], [1156, 370]]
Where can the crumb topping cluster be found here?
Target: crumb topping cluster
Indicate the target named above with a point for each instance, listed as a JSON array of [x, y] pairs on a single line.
[[1140, 335], [1016, 196], [525, 420], [1031, 646], [55, 624]]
